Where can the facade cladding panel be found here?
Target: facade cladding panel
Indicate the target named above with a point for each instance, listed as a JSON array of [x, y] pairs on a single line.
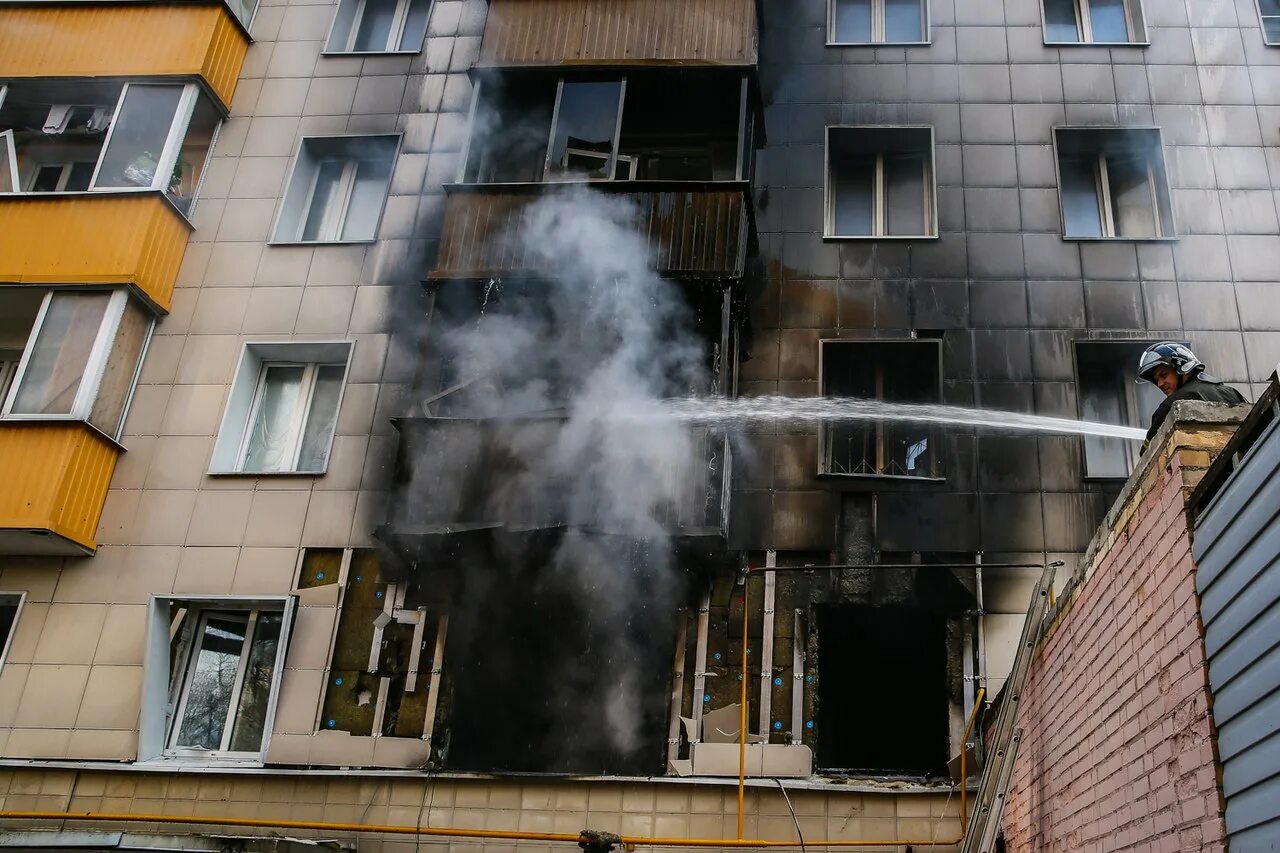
[[1237, 552]]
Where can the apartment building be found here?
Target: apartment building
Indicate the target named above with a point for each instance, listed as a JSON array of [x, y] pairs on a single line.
[[339, 486]]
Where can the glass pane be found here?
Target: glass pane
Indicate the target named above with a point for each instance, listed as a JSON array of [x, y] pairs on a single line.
[[321, 418], [903, 20], [905, 208], [8, 615], [122, 366], [193, 155], [47, 179], [61, 353], [1080, 196], [1108, 21], [853, 179], [213, 676], [372, 178], [853, 21], [374, 30], [1060, 21], [415, 25], [1102, 401], [138, 136], [8, 159], [81, 175], [583, 143], [251, 711], [272, 433], [1131, 196], [323, 214], [243, 9], [1271, 21]]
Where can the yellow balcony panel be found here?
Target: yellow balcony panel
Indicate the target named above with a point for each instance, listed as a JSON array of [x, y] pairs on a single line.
[[133, 238], [55, 478], [124, 40]]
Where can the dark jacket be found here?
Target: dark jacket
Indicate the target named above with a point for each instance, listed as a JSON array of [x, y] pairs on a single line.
[[1204, 387]]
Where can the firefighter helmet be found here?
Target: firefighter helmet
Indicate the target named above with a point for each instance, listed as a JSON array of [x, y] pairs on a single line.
[[1170, 354]]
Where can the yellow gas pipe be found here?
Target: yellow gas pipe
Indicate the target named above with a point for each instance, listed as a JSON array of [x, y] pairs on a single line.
[[964, 748], [742, 728]]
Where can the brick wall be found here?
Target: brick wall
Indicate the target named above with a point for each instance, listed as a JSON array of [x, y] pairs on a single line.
[[1118, 749]]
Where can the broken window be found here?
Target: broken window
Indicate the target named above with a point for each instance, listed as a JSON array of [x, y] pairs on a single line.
[[213, 676], [379, 26], [1094, 22], [626, 129], [880, 182], [384, 676], [882, 703], [87, 135], [10, 606], [1111, 392], [894, 372], [283, 409], [1269, 10], [81, 352], [1113, 185], [878, 22], [337, 190]]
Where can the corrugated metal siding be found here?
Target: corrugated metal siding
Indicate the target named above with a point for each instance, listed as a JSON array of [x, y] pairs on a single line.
[[55, 478], [123, 40], [135, 238], [619, 32], [1237, 551], [692, 233]]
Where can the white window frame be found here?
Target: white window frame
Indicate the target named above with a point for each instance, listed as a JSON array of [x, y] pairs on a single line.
[[172, 142], [245, 397], [1136, 30], [9, 361], [298, 419], [300, 154], [96, 365], [7, 642], [1262, 22], [613, 158], [879, 214], [1166, 227], [161, 696], [394, 37], [878, 26]]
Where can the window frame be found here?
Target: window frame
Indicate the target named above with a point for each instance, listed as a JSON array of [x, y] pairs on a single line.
[[399, 19], [1132, 451], [7, 643], [232, 438], [298, 418], [878, 195], [1262, 24], [937, 474], [95, 365], [612, 162], [300, 151], [877, 26], [160, 702], [1139, 35], [1165, 222]]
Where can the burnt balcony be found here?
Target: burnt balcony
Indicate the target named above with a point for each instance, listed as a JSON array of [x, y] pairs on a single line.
[[461, 480]]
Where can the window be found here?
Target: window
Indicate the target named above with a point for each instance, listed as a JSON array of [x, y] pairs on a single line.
[[892, 371], [1112, 185], [1094, 22], [877, 22], [1110, 392], [283, 408], [10, 607], [880, 183], [88, 135], [1269, 10], [81, 357], [212, 676], [628, 129], [337, 190], [379, 26]]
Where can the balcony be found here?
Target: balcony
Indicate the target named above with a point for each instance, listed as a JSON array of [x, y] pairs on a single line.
[[56, 477], [120, 40], [93, 238], [620, 32], [468, 478]]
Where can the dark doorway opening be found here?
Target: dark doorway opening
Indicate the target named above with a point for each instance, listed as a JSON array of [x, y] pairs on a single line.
[[882, 701]]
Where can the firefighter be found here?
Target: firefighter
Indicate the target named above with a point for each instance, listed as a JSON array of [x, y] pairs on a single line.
[[1176, 371]]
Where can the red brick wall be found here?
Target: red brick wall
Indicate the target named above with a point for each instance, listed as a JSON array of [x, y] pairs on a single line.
[[1118, 744]]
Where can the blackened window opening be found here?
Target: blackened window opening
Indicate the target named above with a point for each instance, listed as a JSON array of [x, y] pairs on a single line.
[[882, 698]]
